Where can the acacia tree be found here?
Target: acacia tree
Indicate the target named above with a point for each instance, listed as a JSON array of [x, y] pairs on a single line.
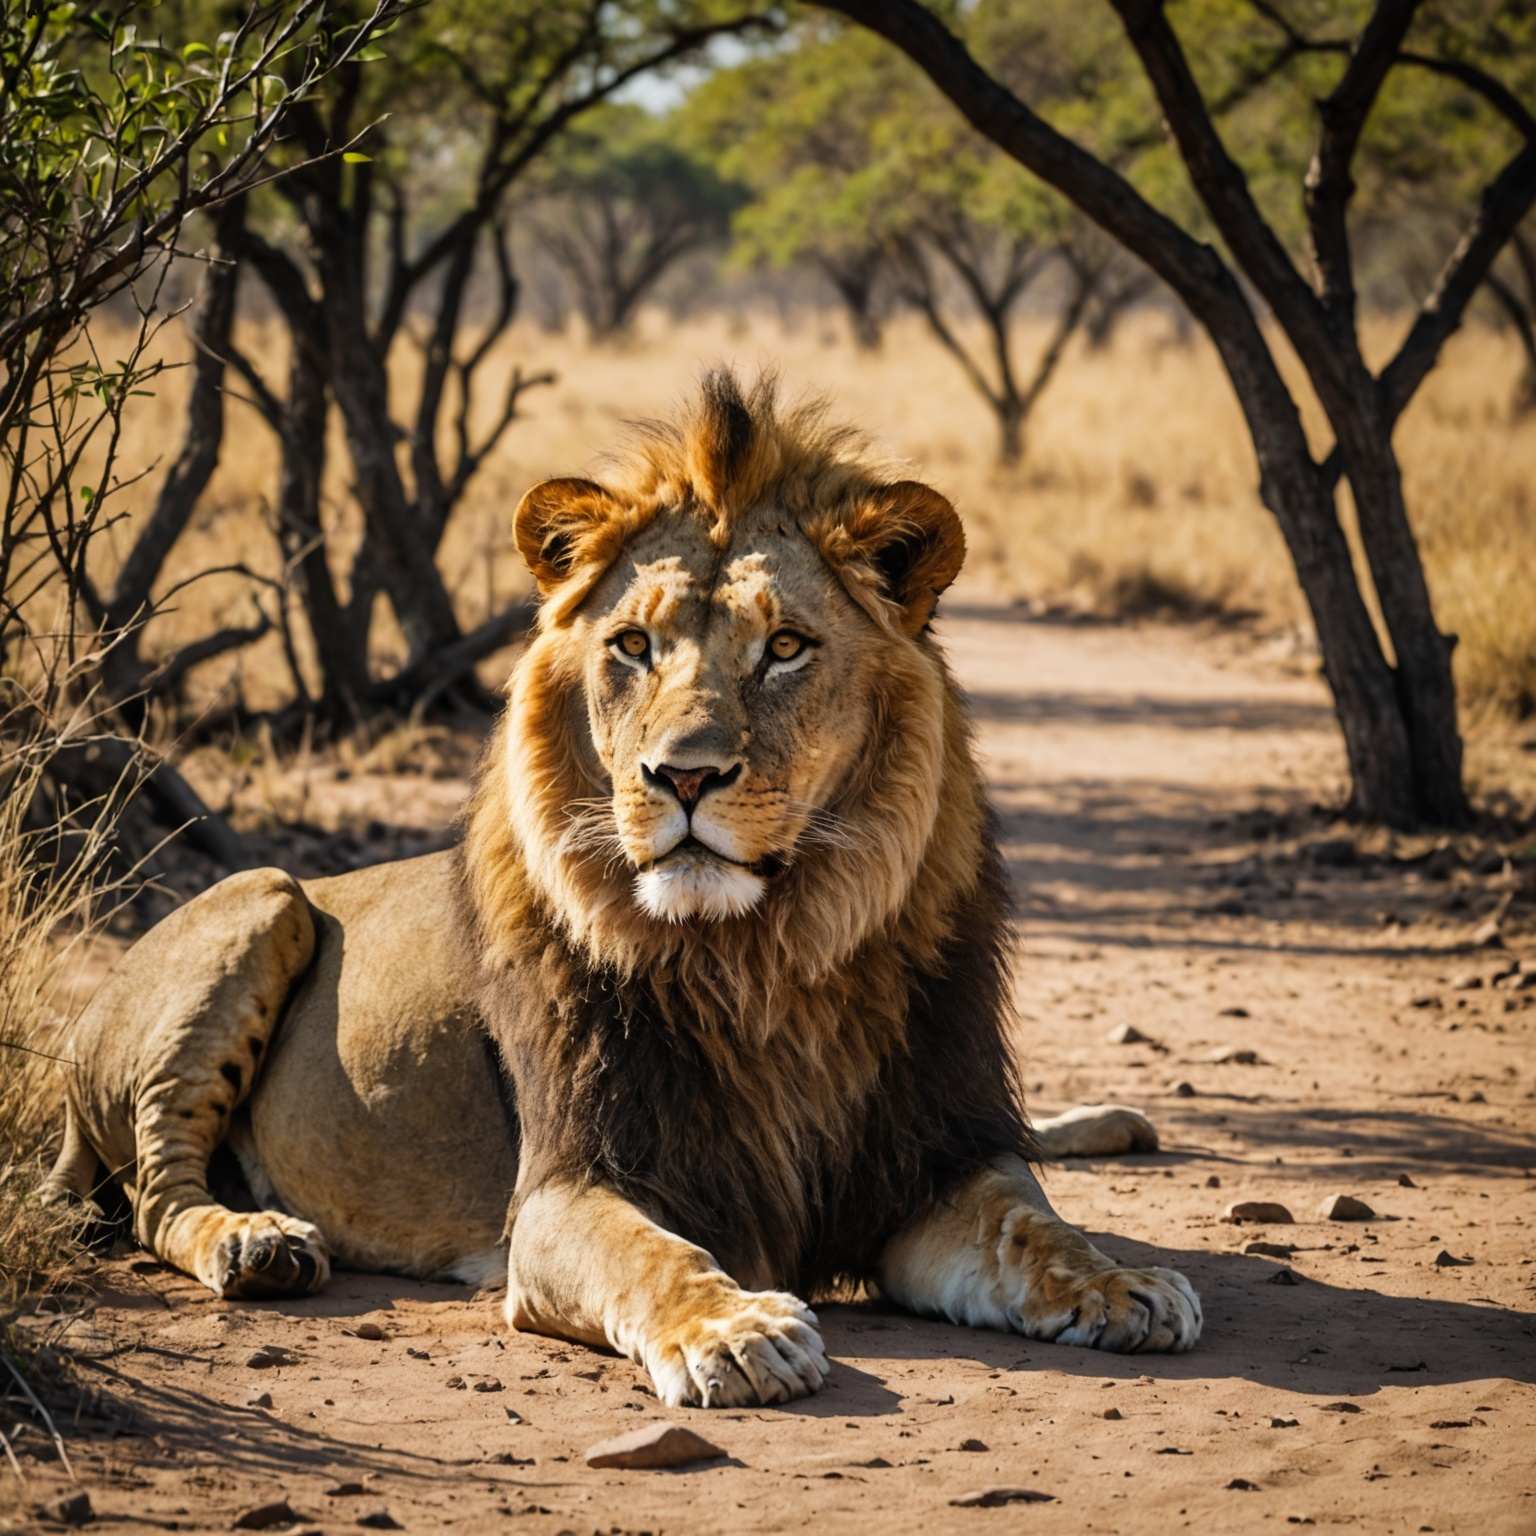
[[618, 203], [111, 139], [392, 238], [1398, 713], [857, 166]]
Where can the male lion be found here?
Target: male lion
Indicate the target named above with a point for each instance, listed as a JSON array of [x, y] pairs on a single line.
[[714, 991]]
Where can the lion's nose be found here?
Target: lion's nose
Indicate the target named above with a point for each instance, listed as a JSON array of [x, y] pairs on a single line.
[[690, 784]]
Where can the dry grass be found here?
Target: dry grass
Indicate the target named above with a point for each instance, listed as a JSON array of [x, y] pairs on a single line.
[[58, 882], [1138, 489]]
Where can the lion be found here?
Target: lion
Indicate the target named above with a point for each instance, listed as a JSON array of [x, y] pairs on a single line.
[[705, 1016]]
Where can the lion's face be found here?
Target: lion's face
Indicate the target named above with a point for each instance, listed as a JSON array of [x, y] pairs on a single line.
[[727, 693], [731, 704]]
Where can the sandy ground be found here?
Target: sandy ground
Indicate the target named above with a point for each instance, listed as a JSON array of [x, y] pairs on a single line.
[[1153, 792]]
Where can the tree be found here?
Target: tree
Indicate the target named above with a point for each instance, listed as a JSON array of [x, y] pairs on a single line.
[[857, 166], [111, 140], [391, 242], [1398, 715], [619, 202]]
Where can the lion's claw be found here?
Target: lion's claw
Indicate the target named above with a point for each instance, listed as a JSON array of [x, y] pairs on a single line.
[[762, 1348]]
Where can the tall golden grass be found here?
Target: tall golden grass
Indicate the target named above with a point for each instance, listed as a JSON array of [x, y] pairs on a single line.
[[1138, 487]]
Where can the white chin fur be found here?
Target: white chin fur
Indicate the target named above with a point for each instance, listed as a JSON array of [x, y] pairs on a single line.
[[685, 887]]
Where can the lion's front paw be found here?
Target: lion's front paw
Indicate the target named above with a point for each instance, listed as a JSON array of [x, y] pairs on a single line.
[[1126, 1310], [743, 1347], [268, 1254]]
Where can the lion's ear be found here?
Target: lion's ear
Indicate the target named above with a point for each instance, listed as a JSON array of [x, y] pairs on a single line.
[[551, 522], [913, 538]]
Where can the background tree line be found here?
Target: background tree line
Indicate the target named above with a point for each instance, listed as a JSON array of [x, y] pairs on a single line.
[[392, 180]]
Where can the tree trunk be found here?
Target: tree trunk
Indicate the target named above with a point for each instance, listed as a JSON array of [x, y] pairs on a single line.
[[123, 669], [1010, 431], [340, 649], [1425, 685]]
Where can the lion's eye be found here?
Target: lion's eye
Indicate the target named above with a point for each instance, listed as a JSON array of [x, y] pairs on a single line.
[[786, 645], [634, 643]]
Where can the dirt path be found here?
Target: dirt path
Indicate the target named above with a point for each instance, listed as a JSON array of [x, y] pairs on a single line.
[[1356, 1383]]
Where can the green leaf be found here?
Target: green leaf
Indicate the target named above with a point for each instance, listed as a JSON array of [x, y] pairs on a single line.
[[197, 51], [352, 157]]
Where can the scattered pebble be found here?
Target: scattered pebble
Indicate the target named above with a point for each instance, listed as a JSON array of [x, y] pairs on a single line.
[[455, 1383], [995, 1498], [488, 1384], [1234, 1013], [259, 1400], [1271, 1250], [1266, 1212], [265, 1358], [380, 1520], [265, 1517], [1235, 1056], [1182, 1090], [973, 1445], [1127, 1034], [1404, 1182], [1113, 1413], [1426, 1000], [74, 1509], [1345, 1208], [652, 1446], [1284, 1277], [1242, 1485], [1445, 1260], [1341, 1407], [367, 1331], [1470, 982], [345, 1491], [1284, 1423]]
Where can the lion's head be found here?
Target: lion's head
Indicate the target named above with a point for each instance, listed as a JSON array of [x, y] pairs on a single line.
[[732, 706]]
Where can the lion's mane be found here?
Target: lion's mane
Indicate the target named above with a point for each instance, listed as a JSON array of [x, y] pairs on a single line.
[[783, 1087]]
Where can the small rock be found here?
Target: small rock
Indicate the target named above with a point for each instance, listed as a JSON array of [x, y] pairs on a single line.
[[74, 1509], [1426, 1000], [973, 1445], [1113, 1413], [1404, 1182], [1342, 1407], [995, 1498], [1345, 1208], [1234, 1013], [1234, 1056], [1214, 1181], [1266, 1212], [380, 1520], [1284, 1277], [1284, 1423], [1127, 1034], [345, 1491], [455, 1383], [367, 1331], [488, 1384], [418, 1354], [1271, 1250], [652, 1446], [265, 1358], [259, 1400], [1444, 1260], [1242, 1485], [1477, 1096], [874, 1463], [1182, 1090], [1470, 982], [266, 1517]]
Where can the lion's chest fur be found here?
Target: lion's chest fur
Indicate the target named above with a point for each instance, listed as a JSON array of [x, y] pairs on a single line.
[[790, 1146]]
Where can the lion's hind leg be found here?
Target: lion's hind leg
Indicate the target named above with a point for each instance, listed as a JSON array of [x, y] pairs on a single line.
[[170, 1048], [1096, 1130]]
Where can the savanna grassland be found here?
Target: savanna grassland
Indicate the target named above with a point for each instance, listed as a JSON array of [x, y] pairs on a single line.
[[1137, 493]]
